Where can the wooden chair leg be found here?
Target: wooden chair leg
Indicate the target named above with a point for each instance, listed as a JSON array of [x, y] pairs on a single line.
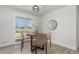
[[46, 48], [50, 43], [22, 45], [35, 48]]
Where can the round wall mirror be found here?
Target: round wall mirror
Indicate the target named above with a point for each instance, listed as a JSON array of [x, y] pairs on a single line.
[[52, 24]]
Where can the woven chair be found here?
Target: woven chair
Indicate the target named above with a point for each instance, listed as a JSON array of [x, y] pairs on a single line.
[[49, 37], [24, 38], [21, 36], [41, 42]]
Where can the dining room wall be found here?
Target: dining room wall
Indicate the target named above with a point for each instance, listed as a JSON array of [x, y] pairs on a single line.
[[65, 33], [77, 26], [7, 24]]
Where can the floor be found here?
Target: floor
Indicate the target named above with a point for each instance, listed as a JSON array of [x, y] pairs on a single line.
[[56, 49]]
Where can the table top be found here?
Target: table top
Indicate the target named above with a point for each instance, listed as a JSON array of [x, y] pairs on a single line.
[[31, 34]]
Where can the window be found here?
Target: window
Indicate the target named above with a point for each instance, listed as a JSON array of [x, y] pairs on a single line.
[[29, 22], [20, 22], [23, 23]]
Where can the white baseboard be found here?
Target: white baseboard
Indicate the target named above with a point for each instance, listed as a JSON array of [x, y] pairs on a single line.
[[8, 44], [75, 49]]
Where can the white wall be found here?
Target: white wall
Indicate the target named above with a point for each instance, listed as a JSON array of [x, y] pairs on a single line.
[[77, 26], [65, 34], [7, 24]]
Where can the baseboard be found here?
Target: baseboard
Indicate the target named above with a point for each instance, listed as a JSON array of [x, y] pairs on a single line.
[[15, 43], [9, 45], [75, 49]]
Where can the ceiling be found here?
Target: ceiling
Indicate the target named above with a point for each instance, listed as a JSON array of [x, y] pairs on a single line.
[[43, 9]]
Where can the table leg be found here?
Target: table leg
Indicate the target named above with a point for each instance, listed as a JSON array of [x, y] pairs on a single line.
[[31, 42]]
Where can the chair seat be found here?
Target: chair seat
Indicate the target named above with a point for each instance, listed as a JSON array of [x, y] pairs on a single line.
[[41, 39], [37, 46]]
